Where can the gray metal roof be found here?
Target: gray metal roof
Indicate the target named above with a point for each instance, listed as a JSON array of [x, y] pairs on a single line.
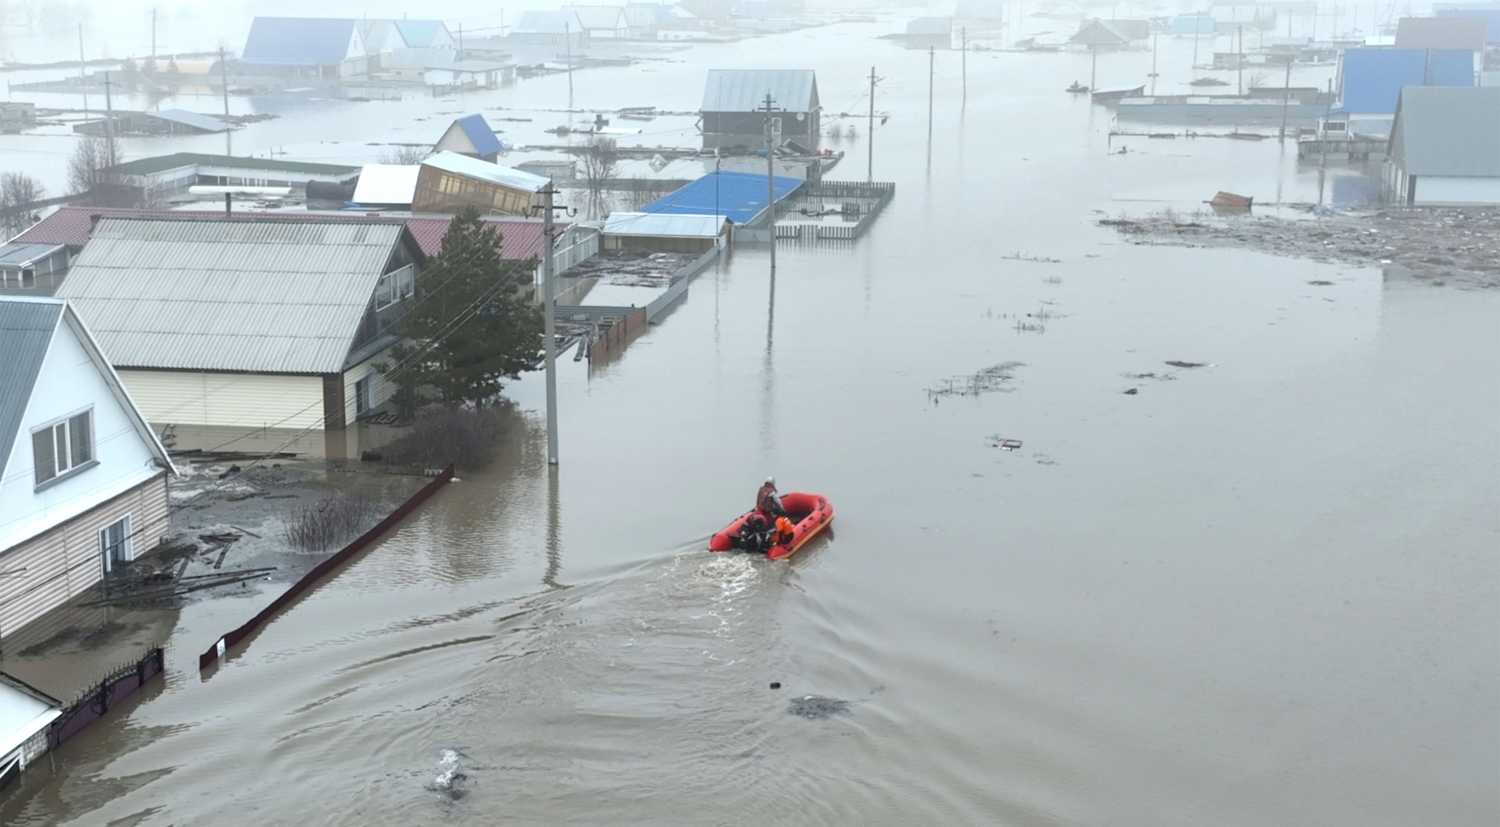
[[744, 90], [663, 225], [268, 297], [207, 123], [26, 326], [1447, 130], [19, 254]]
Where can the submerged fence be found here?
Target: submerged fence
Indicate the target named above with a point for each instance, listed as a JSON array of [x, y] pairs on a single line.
[[91, 704], [239, 633], [875, 196]]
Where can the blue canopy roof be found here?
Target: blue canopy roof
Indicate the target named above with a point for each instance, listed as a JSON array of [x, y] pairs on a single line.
[[738, 196], [1372, 78], [298, 41], [480, 135]]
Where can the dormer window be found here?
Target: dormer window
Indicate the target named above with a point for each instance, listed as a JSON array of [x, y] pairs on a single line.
[[64, 447]]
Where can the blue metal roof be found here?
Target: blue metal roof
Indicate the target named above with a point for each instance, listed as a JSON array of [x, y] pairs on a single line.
[[739, 196], [1490, 15], [298, 41], [480, 135], [419, 34], [1372, 78]]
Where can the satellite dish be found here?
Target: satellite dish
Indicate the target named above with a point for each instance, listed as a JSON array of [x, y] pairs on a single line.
[[801, 116]]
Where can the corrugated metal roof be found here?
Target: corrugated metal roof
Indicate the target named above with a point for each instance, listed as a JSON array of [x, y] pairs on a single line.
[[1441, 33], [1448, 131], [663, 225], [299, 41], [507, 177], [207, 123], [178, 160], [1490, 14], [24, 712], [543, 22], [71, 226], [479, 133], [386, 184], [930, 26], [26, 327], [744, 90], [1373, 78], [420, 34], [738, 196], [1098, 33], [20, 254], [598, 18], [260, 296]]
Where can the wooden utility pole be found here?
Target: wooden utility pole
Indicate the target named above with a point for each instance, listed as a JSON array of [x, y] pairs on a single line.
[[1154, 37], [153, 36], [1093, 69], [224, 81], [568, 44], [768, 108], [1197, 28], [870, 133]]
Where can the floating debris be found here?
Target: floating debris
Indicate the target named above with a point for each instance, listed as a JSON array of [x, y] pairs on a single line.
[[817, 707], [1019, 256], [1177, 363], [992, 379], [451, 775]]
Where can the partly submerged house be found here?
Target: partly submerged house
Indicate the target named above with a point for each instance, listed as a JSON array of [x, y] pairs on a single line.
[[665, 232], [32, 268], [26, 716], [733, 99], [316, 46], [83, 479], [247, 322], [737, 196], [929, 33], [550, 28], [1370, 81], [449, 182], [1445, 147], [1097, 35], [599, 22], [471, 135]]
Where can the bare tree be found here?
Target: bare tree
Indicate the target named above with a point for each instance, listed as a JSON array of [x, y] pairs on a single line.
[[86, 169], [18, 192], [599, 162], [405, 155]]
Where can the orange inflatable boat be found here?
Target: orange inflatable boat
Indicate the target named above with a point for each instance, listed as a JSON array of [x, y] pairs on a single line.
[[809, 514]]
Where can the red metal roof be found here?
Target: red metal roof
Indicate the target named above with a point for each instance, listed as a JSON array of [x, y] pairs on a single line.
[[520, 239]]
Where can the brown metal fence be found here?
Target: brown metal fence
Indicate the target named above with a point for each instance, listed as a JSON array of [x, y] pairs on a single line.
[[234, 636], [91, 704]]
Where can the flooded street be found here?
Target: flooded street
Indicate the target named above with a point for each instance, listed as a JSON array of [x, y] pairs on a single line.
[[1259, 590]]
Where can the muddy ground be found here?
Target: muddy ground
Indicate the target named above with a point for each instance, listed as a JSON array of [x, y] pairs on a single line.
[[228, 539], [1457, 246]]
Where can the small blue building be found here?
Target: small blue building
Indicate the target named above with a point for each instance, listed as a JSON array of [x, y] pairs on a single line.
[[471, 135], [1192, 24]]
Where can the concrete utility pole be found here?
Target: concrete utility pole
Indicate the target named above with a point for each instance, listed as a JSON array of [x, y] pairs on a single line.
[[1240, 61], [870, 133], [1093, 69], [549, 322], [1197, 29], [768, 108], [83, 78], [1154, 37], [109, 122], [1286, 97], [931, 69], [963, 34], [568, 44], [224, 81], [153, 36]]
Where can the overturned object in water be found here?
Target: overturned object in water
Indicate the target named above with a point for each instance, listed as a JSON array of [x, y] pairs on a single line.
[[1230, 201], [809, 513]]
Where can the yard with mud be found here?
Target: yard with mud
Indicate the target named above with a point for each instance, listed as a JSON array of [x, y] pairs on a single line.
[[1440, 245]]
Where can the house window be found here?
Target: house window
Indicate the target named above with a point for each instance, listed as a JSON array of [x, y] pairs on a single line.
[[28, 277], [362, 397], [114, 543], [406, 283], [63, 447]]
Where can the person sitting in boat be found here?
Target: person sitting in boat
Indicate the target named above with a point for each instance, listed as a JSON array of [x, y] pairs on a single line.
[[767, 502]]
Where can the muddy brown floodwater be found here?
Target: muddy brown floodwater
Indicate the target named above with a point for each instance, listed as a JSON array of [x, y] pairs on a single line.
[[1264, 592]]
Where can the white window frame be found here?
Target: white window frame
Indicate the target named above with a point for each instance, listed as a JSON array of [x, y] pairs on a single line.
[[63, 465], [125, 544]]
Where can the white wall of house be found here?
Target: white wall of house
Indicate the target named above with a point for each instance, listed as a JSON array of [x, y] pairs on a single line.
[[1441, 190], [70, 383], [247, 400], [380, 389]]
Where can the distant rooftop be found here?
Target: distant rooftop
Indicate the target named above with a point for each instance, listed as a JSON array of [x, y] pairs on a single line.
[[743, 90], [507, 177], [161, 163], [301, 41], [1441, 33]]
